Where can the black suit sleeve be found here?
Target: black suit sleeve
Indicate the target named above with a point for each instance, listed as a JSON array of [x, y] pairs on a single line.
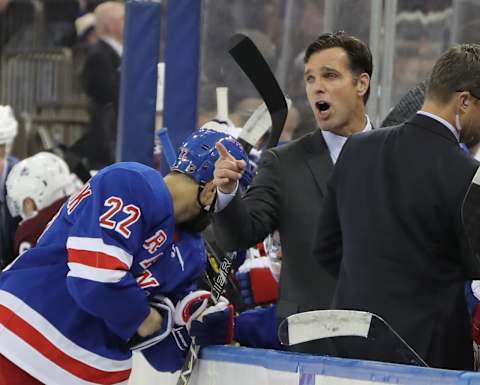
[[249, 219]]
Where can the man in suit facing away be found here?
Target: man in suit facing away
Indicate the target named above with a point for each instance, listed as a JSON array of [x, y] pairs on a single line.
[[287, 191], [101, 82], [392, 216]]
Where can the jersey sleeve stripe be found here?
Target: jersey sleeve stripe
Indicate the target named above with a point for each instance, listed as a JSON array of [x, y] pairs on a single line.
[[96, 259], [25, 323], [98, 245], [78, 270]]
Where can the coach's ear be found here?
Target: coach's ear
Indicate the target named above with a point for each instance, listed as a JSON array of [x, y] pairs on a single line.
[[362, 84]]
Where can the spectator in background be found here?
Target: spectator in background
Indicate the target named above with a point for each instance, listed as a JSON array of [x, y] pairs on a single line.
[[101, 81], [396, 228], [8, 224], [86, 38], [291, 124], [244, 109], [286, 193], [85, 29], [36, 189], [3, 5]]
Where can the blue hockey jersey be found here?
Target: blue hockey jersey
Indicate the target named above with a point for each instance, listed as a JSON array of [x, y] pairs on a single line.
[[69, 305]]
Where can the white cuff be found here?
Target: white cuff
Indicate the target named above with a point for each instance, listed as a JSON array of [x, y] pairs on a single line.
[[223, 199]]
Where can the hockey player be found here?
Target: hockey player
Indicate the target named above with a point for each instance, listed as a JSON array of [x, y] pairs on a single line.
[[36, 189], [95, 285], [8, 224]]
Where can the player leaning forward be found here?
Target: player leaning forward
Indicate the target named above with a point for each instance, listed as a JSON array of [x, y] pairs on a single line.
[[70, 306]]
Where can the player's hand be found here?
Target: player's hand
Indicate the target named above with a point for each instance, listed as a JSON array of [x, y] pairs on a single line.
[[151, 324], [228, 170], [156, 327]]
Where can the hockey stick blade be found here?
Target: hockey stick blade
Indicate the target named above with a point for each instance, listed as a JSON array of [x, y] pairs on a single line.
[[314, 325], [319, 324], [471, 215], [217, 290], [253, 64], [256, 126]]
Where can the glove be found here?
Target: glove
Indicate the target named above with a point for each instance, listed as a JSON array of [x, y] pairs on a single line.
[[210, 325], [169, 355], [215, 326], [166, 309], [258, 285], [190, 307]]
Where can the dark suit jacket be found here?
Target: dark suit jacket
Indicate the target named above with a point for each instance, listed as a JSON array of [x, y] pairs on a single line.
[[101, 82], [393, 205], [285, 195]]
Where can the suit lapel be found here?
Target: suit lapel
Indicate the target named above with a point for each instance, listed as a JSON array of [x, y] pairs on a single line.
[[318, 159]]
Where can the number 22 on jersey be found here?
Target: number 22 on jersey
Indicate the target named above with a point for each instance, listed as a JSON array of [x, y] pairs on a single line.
[[116, 205]]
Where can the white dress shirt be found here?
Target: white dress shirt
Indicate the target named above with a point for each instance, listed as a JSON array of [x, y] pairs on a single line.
[[335, 142]]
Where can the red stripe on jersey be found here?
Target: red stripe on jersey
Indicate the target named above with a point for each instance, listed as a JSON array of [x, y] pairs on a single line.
[[96, 259], [39, 342]]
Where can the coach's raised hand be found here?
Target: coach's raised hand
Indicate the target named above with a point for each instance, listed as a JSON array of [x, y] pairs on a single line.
[[228, 170]]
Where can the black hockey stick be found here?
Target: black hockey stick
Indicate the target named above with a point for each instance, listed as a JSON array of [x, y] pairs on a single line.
[[318, 324], [253, 64], [217, 290], [232, 291]]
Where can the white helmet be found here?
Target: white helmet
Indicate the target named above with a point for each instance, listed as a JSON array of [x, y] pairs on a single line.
[[225, 126], [43, 177], [8, 126]]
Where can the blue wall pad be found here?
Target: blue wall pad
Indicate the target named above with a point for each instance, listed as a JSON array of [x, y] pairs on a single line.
[[181, 70], [138, 89], [308, 366]]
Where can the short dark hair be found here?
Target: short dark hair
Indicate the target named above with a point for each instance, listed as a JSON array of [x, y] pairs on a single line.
[[359, 55], [458, 69]]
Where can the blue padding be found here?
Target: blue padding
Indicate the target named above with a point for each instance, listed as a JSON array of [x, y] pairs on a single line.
[[338, 367], [181, 70], [138, 90], [470, 378], [168, 151]]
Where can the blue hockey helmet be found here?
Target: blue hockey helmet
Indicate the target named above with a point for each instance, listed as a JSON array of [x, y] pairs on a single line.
[[198, 156]]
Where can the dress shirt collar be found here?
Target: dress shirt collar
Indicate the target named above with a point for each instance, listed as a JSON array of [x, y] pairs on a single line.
[[443, 121], [336, 142]]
